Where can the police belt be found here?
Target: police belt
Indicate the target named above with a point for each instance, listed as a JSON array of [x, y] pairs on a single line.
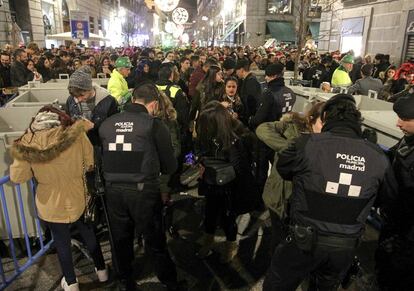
[[306, 238], [134, 185], [335, 241]]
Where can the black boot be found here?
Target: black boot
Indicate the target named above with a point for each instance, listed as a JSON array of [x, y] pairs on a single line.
[[127, 285]]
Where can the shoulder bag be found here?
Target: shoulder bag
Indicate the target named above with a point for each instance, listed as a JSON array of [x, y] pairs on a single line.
[[217, 171], [91, 215]]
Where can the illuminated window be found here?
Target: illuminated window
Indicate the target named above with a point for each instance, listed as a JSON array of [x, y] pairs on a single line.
[[351, 35], [279, 6]]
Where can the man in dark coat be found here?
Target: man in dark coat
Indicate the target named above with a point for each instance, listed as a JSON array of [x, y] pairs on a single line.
[[19, 73], [250, 89], [5, 70], [87, 101]]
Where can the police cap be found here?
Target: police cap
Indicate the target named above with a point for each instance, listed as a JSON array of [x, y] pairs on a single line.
[[274, 70], [404, 107]]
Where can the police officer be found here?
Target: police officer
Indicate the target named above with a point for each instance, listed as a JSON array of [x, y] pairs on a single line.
[[336, 177], [136, 149], [277, 99], [181, 104], [395, 256]]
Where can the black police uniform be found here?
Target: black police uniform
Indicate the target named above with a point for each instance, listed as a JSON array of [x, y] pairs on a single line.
[[277, 99], [136, 149], [395, 255], [336, 177], [317, 74]]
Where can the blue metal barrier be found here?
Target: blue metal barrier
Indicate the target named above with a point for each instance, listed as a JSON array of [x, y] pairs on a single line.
[[31, 258]]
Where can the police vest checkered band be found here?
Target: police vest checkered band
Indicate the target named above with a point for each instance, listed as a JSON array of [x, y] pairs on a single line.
[[287, 107], [345, 180], [120, 144]]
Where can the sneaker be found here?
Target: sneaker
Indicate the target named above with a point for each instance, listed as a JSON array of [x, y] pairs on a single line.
[[71, 287], [102, 274]]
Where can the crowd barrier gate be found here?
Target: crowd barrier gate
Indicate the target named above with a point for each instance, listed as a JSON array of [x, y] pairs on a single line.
[[14, 267]]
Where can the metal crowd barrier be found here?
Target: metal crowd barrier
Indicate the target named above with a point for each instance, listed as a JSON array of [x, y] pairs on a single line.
[[14, 265]]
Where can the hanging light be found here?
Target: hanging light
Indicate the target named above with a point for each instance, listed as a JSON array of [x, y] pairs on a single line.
[[185, 38], [166, 5], [179, 30], [180, 15], [170, 27]]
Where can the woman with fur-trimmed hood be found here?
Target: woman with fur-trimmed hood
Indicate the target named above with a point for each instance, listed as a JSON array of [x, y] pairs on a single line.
[[55, 151], [278, 135]]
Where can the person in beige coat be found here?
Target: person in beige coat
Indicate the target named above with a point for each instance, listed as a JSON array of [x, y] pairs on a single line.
[[55, 151]]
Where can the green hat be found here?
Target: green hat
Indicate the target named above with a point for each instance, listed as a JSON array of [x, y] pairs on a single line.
[[123, 62], [348, 59]]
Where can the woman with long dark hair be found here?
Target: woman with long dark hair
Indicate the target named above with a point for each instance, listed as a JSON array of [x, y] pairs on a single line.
[[142, 72], [209, 89], [56, 152], [231, 100], [44, 68], [105, 67], [219, 140]]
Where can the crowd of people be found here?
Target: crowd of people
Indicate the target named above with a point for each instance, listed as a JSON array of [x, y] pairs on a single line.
[[20, 65], [160, 107]]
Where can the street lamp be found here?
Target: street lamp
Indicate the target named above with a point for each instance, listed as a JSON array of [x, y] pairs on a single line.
[[212, 32]]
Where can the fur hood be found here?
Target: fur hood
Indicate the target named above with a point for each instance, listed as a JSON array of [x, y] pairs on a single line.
[[46, 145]]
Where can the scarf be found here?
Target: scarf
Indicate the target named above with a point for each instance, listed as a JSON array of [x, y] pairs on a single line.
[[45, 120]]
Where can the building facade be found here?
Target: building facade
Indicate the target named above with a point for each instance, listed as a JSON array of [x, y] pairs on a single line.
[[242, 22], [34, 20], [6, 24], [370, 27]]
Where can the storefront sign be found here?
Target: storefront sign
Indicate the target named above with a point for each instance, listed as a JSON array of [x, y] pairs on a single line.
[[79, 24]]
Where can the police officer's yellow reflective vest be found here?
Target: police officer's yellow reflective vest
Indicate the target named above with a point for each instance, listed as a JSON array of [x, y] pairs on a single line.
[[170, 90]]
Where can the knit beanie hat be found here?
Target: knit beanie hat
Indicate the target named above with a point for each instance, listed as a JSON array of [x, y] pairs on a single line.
[[81, 79]]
